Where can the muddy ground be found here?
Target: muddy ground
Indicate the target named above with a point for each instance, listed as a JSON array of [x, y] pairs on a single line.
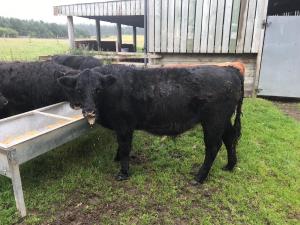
[[289, 108]]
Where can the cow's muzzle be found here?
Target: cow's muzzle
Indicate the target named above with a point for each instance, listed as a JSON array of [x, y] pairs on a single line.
[[91, 117]]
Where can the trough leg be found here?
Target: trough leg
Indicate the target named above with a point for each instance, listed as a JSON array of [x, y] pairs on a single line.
[[17, 186]]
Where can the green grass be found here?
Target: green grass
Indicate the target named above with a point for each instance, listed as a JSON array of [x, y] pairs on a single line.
[[75, 181], [30, 49]]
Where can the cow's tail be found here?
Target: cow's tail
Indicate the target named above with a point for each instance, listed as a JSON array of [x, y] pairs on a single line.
[[238, 113]]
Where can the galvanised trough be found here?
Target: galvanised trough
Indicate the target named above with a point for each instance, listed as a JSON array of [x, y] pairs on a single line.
[[28, 135]]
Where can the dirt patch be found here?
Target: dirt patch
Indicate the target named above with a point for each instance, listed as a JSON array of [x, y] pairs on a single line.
[[289, 108]]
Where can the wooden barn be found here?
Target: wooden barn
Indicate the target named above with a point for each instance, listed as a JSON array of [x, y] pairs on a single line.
[[186, 31]]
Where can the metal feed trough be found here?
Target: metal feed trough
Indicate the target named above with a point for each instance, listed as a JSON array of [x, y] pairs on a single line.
[[28, 135]]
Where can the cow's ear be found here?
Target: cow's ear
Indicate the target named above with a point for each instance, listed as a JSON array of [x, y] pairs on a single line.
[[68, 81], [59, 74], [69, 73], [107, 80]]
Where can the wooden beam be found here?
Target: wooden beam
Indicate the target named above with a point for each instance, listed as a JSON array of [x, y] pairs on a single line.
[[134, 38], [71, 32], [263, 15], [98, 32], [119, 37]]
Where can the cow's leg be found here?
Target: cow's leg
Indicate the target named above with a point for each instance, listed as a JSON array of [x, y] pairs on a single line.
[[124, 141], [117, 157], [213, 141], [230, 140]]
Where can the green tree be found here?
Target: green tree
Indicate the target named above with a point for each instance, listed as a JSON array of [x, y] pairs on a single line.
[[8, 32]]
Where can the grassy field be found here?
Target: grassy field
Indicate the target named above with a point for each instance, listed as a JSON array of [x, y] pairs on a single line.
[[30, 48], [74, 184]]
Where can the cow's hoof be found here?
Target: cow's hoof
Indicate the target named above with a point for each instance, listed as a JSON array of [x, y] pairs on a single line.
[[117, 158], [200, 179], [228, 168], [122, 176], [195, 183]]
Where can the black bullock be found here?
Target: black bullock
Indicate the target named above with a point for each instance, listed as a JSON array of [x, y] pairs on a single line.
[[77, 62], [31, 85], [164, 101]]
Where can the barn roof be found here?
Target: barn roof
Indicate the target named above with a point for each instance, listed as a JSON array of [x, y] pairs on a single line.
[[127, 12]]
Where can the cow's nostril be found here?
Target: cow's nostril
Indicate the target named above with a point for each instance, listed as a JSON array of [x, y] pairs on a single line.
[[89, 113]]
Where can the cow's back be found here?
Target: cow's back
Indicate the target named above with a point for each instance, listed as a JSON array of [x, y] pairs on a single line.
[[170, 101], [77, 62], [30, 85]]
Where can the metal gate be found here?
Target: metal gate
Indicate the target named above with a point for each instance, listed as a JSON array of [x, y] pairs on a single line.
[[280, 69]]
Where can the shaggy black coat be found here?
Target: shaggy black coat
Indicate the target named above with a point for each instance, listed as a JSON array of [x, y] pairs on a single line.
[[31, 85], [3, 101], [164, 101], [77, 62]]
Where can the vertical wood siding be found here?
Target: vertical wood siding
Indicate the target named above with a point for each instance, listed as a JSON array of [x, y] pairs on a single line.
[[151, 27], [170, 32], [164, 25], [198, 26], [191, 26], [158, 22], [177, 26], [219, 26], [206, 26], [188, 26]]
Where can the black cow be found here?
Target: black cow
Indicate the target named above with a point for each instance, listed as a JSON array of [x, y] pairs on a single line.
[[164, 101], [31, 85], [77, 62]]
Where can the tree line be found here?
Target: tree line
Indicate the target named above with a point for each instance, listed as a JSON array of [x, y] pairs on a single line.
[[13, 27]]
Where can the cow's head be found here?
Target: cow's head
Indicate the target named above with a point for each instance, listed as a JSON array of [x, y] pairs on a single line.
[[87, 86], [3, 101], [70, 93]]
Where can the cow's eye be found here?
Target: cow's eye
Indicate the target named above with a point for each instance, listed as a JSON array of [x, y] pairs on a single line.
[[98, 90]]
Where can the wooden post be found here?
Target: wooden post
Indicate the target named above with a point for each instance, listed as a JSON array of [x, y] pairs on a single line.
[[98, 31], [71, 32], [134, 38], [145, 32], [260, 50], [119, 37]]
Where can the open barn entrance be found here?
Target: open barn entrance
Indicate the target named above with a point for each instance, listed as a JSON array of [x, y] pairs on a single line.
[[119, 12]]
